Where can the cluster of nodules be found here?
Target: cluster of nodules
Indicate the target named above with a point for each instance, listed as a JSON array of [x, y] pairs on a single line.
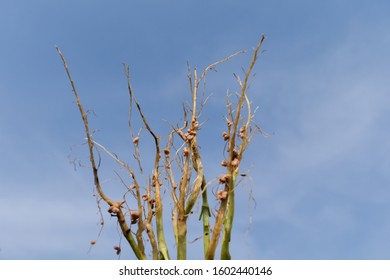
[[235, 160], [241, 133], [222, 194], [150, 200], [191, 132], [114, 209], [235, 156]]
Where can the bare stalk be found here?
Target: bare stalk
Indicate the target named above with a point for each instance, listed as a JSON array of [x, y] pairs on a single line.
[[181, 216], [163, 248], [193, 152], [225, 213], [117, 205], [138, 195]]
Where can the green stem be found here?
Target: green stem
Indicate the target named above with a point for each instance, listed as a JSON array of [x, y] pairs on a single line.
[[205, 214], [160, 228], [181, 216], [129, 237], [228, 223]]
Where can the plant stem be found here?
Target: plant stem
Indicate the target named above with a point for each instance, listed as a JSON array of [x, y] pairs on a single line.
[[228, 223]]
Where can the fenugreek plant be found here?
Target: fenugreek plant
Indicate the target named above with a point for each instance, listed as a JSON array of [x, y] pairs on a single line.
[[143, 228]]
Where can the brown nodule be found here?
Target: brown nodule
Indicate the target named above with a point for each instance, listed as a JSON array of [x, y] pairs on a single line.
[[223, 179], [195, 124], [221, 195], [134, 217], [189, 137], [134, 214], [117, 249], [225, 136], [235, 162], [113, 209]]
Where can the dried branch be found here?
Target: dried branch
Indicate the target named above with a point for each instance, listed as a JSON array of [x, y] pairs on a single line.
[[138, 195], [225, 213], [119, 214], [163, 248]]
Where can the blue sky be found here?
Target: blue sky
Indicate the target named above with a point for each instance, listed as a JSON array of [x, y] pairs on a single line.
[[321, 182]]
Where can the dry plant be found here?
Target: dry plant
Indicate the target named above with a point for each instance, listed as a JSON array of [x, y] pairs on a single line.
[[146, 224]]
